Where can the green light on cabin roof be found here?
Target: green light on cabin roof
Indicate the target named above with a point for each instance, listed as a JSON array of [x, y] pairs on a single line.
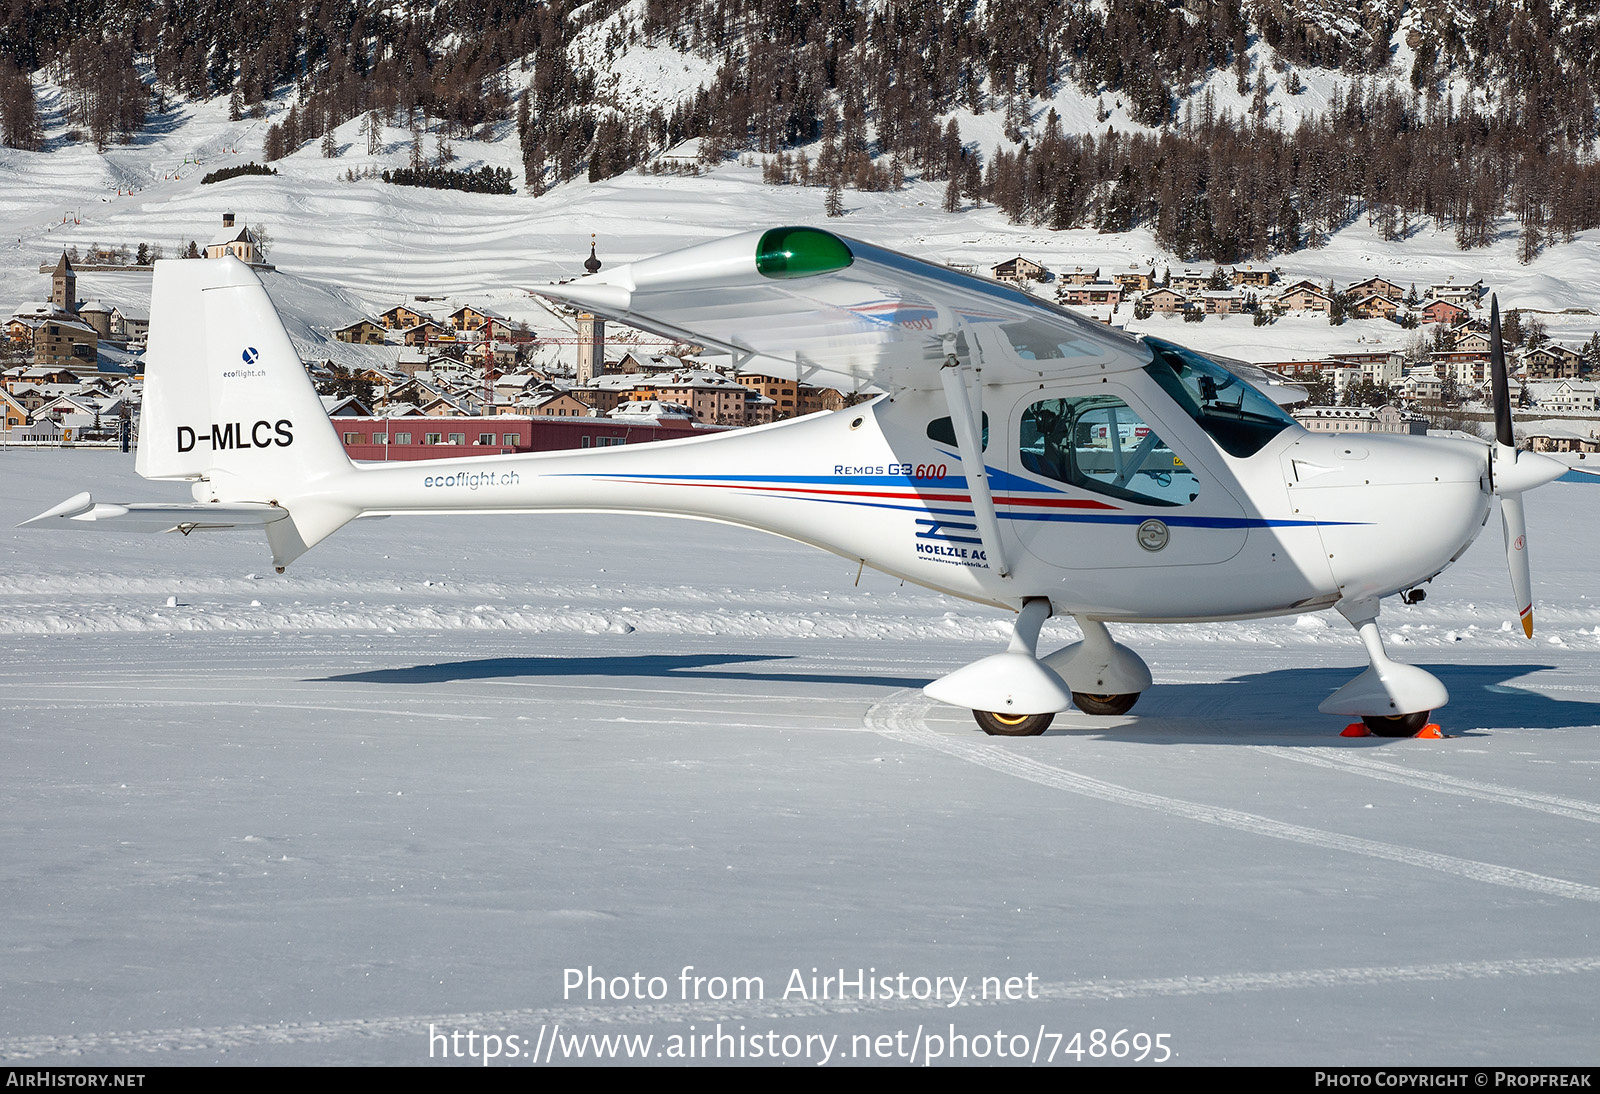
[[800, 252]]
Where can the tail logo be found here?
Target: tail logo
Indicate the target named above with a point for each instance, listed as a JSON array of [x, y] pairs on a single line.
[[250, 355]]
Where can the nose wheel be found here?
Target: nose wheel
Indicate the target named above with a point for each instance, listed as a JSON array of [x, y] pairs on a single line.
[[1012, 725]]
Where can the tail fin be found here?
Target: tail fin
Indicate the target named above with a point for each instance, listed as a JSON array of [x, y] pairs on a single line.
[[229, 407], [226, 398]]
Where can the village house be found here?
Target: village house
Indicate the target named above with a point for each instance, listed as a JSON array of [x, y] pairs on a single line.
[[1166, 301], [1563, 395], [1551, 362], [1221, 301], [1358, 419], [1251, 276], [1099, 292], [1381, 367], [1463, 295], [366, 332], [783, 393], [1081, 276], [1189, 280], [1133, 279], [1376, 306], [1377, 286], [1558, 439], [1442, 311], [12, 413], [401, 317], [1019, 269], [1303, 296], [130, 324]]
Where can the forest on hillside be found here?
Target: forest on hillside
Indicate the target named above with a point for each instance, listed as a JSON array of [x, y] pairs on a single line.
[[864, 94]]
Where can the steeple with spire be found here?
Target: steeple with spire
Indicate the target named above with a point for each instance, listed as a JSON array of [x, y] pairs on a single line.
[[64, 286], [592, 263]]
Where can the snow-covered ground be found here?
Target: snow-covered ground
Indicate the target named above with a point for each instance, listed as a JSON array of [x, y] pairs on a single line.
[[407, 786]]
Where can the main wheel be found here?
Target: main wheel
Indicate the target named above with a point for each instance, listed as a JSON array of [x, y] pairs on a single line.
[[1396, 725], [1104, 704], [1013, 725]]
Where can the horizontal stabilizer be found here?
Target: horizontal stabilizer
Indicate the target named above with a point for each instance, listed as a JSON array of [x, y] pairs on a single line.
[[84, 513]]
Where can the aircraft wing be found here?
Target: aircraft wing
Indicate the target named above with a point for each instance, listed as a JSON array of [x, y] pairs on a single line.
[[837, 312]]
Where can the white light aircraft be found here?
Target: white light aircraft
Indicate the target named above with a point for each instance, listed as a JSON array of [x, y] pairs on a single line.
[[1017, 456]]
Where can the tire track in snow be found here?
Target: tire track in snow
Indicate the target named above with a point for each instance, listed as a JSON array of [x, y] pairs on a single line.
[[900, 717], [1341, 760], [523, 1021]]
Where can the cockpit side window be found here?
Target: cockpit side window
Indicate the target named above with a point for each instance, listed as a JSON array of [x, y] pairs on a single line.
[[1235, 415], [1102, 444]]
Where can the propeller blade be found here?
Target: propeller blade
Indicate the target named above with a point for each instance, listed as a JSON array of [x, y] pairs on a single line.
[[1498, 386], [1515, 525]]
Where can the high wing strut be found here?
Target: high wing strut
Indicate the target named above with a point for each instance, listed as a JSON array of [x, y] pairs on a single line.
[[966, 415]]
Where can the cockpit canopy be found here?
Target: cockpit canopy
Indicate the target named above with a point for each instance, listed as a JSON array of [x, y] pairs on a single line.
[[1232, 412]]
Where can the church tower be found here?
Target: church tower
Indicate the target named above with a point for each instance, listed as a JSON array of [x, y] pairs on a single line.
[[64, 287]]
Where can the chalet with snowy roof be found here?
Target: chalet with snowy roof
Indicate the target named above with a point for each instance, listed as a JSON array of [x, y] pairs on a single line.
[[1421, 385], [560, 405], [1464, 295], [130, 324], [1134, 279], [235, 240], [1098, 292], [1019, 269], [1551, 362], [469, 318], [1167, 301], [401, 317], [1190, 280], [345, 406], [1442, 311], [1376, 306], [365, 332], [1081, 276], [1560, 439], [1377, 286], [1221, 301], [427, 332], [1471, 341], [1303, 296], [1256, 277], [1563, 395], [12, 413]]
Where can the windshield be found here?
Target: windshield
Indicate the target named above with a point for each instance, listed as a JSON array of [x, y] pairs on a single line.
[[1237, 416]]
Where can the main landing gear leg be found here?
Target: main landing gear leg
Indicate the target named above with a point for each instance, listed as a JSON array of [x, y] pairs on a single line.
[[1011, 694], [1105, 676], [1394, 700]]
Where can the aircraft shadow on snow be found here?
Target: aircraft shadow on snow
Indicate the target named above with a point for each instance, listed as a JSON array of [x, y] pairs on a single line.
[[692, 666], [1484, 697]]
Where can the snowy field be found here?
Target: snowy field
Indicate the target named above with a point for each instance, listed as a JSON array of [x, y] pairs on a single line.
[[301, 819]]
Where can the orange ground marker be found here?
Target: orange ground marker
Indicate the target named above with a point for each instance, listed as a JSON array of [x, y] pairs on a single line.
[[1356, 729]]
